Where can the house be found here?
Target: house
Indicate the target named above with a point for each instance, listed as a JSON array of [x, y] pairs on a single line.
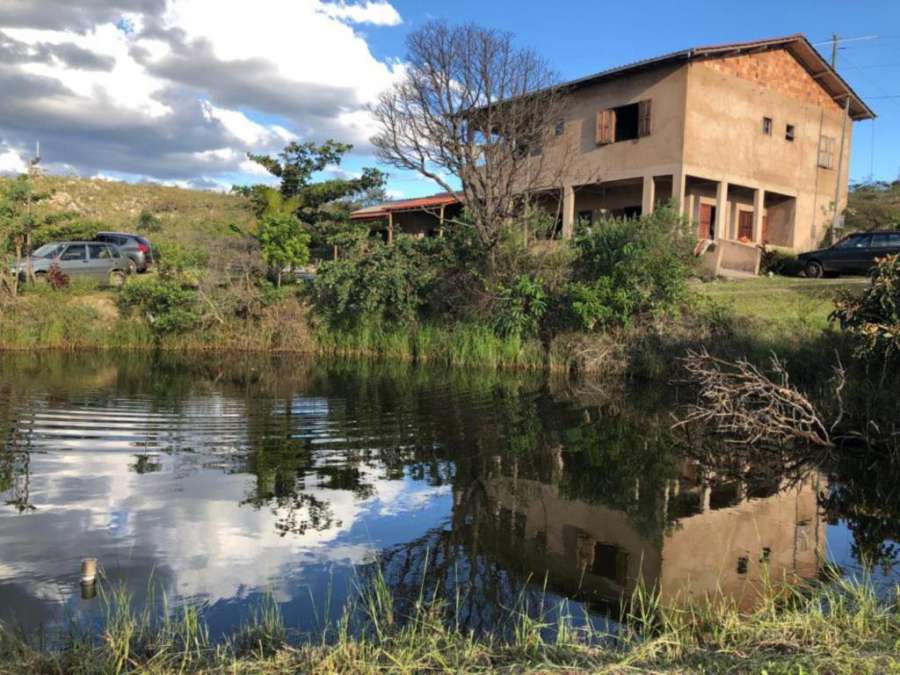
[[423, 216], [750, 140]]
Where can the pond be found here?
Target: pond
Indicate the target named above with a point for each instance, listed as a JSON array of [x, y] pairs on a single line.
[[223, 481]]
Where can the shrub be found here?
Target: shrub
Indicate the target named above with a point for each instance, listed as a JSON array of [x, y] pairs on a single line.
[[147, 222], [56, 277], [520, 307], [166, 306], [628, 267], [781, 262], [873, 318], [373, 280]]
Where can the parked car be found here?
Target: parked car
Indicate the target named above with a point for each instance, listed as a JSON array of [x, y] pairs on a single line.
[[135, 247], [91, 259], [854, 254]]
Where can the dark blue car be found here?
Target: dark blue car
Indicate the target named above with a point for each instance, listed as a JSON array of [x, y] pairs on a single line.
[[854, 254]]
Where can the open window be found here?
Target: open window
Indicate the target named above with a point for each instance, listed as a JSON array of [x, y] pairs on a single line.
[[624, 123]]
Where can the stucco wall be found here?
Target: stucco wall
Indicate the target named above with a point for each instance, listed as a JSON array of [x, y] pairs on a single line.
[[585, 162], [724, 137]]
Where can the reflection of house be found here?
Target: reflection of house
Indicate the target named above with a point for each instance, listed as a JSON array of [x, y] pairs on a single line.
[[746, 138], [725, 538]]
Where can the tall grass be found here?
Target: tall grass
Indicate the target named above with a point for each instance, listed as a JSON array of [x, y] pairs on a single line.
[[839, 626]]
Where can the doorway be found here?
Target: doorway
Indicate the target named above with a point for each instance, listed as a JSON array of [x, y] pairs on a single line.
[[707, 228]]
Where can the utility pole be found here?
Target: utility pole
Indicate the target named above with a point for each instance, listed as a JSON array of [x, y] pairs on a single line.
[[835, 38]]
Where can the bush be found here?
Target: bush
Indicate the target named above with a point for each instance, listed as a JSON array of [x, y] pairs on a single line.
[[780, 262], [166, 306], [624, 268], [147, 222], [373, 280], [56, 277], [873, 318], [520, 307]]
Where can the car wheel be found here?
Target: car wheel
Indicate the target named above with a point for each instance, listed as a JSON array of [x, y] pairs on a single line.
[[132, 268], [116, 278], [814, 270]]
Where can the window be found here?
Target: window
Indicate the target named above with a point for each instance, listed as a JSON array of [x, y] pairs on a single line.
[[789, 133], [767, 126], [742, 564], [98, 251], [74, 253], [560, 127], [624, 123], [855, 241], [886, 240], [826, 152]]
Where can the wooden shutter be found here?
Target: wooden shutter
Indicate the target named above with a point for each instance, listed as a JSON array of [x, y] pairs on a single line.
[[606, 127], [644, 118]]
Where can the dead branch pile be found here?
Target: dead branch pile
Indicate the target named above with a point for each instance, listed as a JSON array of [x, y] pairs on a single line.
[[744, 404]]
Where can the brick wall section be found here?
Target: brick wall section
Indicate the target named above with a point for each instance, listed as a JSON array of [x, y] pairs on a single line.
[[778, 70]]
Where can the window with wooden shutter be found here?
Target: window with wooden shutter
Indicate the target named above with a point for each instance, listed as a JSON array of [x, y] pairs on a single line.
[[606, 124], [644, 118]]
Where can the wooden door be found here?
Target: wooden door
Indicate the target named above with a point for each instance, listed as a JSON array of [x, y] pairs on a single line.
[[707, 222], [745, 225]]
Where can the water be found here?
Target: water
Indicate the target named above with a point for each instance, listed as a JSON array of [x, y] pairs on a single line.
[[223, 481]]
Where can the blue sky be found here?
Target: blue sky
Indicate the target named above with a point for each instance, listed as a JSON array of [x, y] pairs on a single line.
[[192, 85], [579, 38]]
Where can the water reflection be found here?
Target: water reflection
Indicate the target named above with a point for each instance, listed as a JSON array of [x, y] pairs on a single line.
[[225, 479]]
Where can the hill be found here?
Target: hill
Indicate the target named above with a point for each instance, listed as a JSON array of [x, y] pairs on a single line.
[[178, 215], [873, 206]]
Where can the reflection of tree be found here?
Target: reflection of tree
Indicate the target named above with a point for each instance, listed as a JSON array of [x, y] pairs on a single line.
[[864, 491], [15, 474]]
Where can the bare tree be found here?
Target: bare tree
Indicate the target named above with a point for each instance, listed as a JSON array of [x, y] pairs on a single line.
[[474, 106]]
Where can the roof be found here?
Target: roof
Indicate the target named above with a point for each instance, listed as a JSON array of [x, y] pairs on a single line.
[[797, 44], [382, 210]]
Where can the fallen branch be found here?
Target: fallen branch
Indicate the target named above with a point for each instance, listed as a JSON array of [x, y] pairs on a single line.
[[739, 401]]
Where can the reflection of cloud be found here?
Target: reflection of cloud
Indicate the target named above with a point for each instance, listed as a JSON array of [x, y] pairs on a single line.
[[186, 519]]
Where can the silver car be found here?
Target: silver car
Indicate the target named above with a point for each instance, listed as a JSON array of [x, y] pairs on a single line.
[[87, 259]]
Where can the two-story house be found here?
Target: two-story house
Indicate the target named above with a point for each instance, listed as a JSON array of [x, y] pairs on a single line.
[[751, 141]]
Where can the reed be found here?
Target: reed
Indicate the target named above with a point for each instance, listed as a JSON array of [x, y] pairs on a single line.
[[836, 626]]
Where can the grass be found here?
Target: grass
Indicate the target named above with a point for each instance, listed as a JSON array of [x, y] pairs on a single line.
[[750, 317], [779, 303], [835, 627]]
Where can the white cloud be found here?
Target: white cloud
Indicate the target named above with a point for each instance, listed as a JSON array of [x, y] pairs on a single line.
[[180, 90], [378, 13], [11, 162]]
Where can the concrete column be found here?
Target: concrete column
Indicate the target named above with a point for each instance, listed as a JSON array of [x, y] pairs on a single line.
[[722, 210], [568, 211], [649, 196], [678, 187], [390, 228], [759, 203]]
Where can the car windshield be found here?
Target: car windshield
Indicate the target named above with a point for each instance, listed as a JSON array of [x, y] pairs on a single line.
[[46, 251]]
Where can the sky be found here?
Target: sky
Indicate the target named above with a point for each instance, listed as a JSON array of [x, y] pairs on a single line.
[[178, 91]]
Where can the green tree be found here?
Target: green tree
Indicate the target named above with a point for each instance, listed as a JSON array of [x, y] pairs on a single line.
[[283, 243], [323, 206], [18, 222]]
